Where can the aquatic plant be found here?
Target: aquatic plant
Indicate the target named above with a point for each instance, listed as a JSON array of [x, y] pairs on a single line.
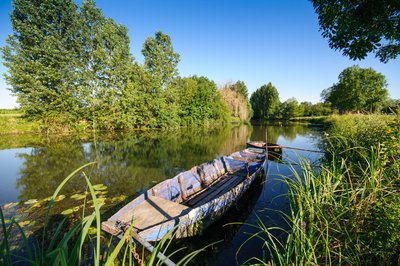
[[347, 212], [65, 244]]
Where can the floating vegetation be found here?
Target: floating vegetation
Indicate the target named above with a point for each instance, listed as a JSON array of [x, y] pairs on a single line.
[[59, 198], [31, 201], [78, 196], [99, 187]]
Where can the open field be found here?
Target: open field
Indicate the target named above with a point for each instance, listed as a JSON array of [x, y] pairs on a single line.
[[13, 122]]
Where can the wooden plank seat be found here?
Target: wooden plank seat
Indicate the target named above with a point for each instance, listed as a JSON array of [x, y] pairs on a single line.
[[216, 189], [246, 160], [151, 212]]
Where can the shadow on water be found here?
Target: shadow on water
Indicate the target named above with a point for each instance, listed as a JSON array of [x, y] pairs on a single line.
[[130, 163]]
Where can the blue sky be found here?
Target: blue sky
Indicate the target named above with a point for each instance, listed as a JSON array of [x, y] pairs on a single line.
[[228, 40]]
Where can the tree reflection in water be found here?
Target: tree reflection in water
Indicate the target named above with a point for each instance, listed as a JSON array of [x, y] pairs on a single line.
[[127, 163]]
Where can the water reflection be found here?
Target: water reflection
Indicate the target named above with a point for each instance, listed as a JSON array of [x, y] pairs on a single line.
[[127, 163], [271, 133]]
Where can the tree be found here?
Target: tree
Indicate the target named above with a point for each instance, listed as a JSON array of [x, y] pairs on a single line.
[[240, 87], [317, 109], [41, 58], [265, 102], [67, 65], [160, 60], [235, 98], [391, 106], [199, 101], [358, 89], [290, 109], [106, 63], [359, 27]]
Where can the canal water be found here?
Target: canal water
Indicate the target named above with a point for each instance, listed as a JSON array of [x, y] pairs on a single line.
[[31, 168]]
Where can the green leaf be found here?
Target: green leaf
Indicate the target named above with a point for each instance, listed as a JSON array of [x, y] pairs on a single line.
[[31, 201], [78, 196], [99, 187], [68, 212]]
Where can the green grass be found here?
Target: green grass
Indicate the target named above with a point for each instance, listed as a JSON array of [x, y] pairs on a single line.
[[347, 213], [313, 119], [13, 122], [9, 111]]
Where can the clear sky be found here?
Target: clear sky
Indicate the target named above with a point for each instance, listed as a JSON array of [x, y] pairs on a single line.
[[255, 41]]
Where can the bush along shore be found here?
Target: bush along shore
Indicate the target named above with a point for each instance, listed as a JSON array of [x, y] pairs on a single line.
[[347, 212]]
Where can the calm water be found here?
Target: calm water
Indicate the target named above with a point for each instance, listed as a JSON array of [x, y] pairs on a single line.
[[31, 167]]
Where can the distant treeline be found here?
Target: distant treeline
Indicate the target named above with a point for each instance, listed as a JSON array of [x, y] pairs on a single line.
[[70, 66], [359, 90], [267, 105]]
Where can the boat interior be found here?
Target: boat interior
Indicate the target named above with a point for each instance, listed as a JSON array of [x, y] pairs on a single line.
[[190, 189]]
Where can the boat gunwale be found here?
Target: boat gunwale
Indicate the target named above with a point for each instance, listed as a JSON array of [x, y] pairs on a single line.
[[220, 204]]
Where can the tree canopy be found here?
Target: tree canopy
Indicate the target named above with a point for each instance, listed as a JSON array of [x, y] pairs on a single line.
[[265, 102], [358, 89], [70, 66], [41, 56], [290, 108], [235, 97], [160, 59], [359, 27]]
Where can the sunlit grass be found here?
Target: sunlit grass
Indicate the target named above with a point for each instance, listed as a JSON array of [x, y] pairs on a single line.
[[15, 123], [347, 212]]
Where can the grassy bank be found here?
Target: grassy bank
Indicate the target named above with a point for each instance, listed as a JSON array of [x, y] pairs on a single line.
[[13, 122], [349, 212]]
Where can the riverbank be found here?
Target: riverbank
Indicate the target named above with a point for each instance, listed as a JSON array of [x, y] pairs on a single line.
[[348, 211], [13, 122]]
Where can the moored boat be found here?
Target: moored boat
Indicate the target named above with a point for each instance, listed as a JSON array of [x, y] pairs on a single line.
[[192, 199]]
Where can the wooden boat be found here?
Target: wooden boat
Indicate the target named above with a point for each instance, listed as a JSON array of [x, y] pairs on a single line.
[[191, 200], [271, 147], [274, 151]]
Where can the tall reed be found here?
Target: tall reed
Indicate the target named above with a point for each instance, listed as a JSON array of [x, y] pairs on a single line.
[[349, 211]]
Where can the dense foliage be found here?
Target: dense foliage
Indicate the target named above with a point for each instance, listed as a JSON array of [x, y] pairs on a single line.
[[200, 101], [265, 102], [361, 27], [358, 89], [71, 66], [266, 105], [235, 96], [346, 212]]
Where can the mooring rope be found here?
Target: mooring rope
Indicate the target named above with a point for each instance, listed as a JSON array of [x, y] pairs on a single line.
[[293, 148]]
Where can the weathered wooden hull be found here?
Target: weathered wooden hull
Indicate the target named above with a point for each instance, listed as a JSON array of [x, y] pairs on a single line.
[[192, 200]]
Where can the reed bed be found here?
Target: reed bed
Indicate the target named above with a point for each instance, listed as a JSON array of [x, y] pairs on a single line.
[[347, 213]]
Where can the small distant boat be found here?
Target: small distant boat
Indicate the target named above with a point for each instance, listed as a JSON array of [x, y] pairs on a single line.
[[192, 200], [271, 147]]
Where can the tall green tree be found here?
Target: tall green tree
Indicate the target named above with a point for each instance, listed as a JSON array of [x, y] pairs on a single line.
[[358, 89], [359, 27], [265, 102], [160, 64], [106, 63], [41, 56], [160, 59]]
